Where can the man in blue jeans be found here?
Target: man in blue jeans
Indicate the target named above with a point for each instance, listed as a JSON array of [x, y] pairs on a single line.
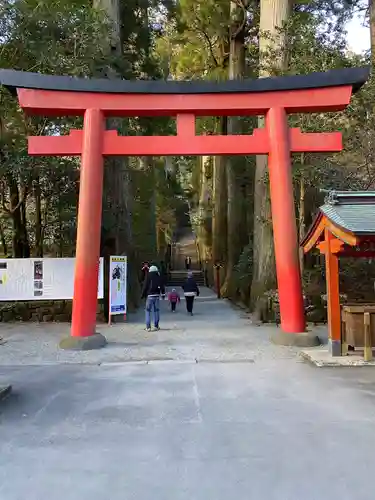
[[153, 287]]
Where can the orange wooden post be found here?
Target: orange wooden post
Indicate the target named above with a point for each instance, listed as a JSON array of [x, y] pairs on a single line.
[[89, 226], [367, 345], [284, 223], [333, 295], [344, 341]]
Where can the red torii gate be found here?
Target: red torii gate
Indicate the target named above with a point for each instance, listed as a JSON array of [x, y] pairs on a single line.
[[98, 99]]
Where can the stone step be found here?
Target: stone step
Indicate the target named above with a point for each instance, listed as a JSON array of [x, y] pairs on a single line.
[[177, 278], [180, 283]]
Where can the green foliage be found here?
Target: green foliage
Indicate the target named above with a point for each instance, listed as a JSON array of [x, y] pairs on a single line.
[[196, 46], [73, 33], [39, 195]]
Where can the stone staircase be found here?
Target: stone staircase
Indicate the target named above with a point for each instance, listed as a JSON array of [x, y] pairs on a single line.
[[177, 278], [185, 246]]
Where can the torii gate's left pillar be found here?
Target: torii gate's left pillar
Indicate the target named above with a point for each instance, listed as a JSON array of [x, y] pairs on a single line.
[[83, 334]]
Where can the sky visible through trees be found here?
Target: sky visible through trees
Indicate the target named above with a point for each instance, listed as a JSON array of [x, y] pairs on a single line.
[[358, 36]]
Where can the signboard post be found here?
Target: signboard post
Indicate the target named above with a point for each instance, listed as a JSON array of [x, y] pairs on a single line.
[[117, 286]]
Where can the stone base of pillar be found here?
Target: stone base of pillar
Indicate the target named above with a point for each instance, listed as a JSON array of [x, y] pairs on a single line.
[[96, 341], [334, 347], [295, 339]]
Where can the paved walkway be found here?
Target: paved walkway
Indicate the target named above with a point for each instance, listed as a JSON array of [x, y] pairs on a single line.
[[216, 332], [216, 412]]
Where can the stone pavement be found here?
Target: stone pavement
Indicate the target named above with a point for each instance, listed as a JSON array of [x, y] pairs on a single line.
[[248, 420], [321, 357], [216, 332]]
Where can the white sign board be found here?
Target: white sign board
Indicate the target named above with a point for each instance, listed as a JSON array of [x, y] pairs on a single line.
[[117, 284], [40, 279]]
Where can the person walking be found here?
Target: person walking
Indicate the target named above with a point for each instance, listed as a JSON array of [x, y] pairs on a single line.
[[144, 271], [174, 299], [191, 291], [187, 263], [152, 289]]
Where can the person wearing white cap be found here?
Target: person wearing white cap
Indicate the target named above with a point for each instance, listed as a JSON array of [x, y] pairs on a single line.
[[152, 289]]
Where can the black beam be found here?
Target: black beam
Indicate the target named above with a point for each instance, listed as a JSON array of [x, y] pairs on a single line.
[[355, 77]]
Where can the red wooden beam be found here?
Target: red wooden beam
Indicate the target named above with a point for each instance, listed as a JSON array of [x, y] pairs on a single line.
[[185, 144], [315, 141], [335, 246], [185, 124], [65, 103]]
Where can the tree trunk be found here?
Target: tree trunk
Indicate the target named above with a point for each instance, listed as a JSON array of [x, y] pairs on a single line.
[[233, 164], [371, 4], [115, 216], [60, 240], [25, 236], [273, 15], [3, 241], [38, 251], [204, 206], [16, 218], [302, 220], [219, 205], [116, 219], [17, 211], [112, 10], [144, 210]]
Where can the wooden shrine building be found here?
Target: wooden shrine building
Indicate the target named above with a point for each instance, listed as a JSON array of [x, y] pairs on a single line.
[[344, 227]]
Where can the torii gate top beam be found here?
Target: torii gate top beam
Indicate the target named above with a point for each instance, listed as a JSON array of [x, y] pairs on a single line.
[[61, 95]]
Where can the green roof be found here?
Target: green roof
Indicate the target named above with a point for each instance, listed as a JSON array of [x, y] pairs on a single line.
[[351, 210]]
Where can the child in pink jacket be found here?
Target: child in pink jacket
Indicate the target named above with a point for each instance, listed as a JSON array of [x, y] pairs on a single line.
[[173, 298]]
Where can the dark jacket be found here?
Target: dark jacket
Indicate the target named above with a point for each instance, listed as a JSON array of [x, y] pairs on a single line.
[[190, 286], [153, 285]]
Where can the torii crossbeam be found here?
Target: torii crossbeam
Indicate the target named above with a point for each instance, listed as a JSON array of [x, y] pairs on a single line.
[[98, 99]]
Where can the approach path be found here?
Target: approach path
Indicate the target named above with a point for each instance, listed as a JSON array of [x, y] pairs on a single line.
[[204, 409]]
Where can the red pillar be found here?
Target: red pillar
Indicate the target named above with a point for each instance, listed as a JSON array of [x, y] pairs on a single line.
[[284, 223], [89, 226], [218, 285], [333, 296]]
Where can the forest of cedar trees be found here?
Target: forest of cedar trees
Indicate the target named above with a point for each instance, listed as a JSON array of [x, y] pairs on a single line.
[[145, 199]]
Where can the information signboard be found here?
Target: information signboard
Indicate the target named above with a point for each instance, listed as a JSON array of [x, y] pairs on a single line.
[[40, 279], [117, 285]]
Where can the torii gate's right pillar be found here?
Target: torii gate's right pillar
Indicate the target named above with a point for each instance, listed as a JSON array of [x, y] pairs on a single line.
[[284, 223]]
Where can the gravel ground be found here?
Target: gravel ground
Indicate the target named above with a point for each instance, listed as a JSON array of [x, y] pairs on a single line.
[[217, 331]]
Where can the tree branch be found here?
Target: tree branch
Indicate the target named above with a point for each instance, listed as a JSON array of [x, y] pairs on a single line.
[[243, 7], [22, 194], [211, 49]]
